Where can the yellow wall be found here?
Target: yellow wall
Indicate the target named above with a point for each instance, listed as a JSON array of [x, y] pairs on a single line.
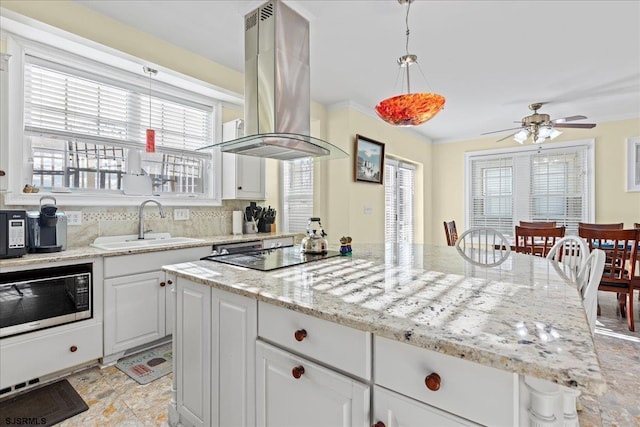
[[613, 203]]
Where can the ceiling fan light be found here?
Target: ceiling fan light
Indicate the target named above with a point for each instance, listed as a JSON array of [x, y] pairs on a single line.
[[544, 132], [521, 136], [555, 133]]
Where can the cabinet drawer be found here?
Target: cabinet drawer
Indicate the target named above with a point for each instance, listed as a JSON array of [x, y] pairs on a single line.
[[33, 358], [396, 410], [479, 393], [342, 347], [121, 265]]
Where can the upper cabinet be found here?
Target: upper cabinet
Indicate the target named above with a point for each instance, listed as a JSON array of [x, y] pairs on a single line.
[[243, 177]]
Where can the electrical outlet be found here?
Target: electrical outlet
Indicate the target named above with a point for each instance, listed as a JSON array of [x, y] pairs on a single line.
[[74, 217], [368, 210], [180, 214]]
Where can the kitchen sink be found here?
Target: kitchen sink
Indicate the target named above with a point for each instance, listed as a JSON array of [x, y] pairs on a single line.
[[119, 243]]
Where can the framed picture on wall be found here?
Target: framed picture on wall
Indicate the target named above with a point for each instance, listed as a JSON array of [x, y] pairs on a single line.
[[633, 164], [369, 160]]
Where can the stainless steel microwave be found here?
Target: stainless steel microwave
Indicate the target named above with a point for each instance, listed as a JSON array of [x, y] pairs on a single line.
[[42, 298], [13, 233]]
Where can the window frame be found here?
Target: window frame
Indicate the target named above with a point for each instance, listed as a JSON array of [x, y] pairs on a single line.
[[530, 150], [633, 159], [51, 43], [396, 165]]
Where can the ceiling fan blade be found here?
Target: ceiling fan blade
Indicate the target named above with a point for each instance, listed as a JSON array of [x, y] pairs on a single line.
[[506, 137], [574, 125], [502, 130], [568, 119]]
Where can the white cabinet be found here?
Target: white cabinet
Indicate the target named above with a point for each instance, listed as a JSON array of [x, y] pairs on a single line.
[[394, 410], [138, 298], [135, 310], [214, 359], [192, 358], [472, 391], [292, 391], [243, 177]]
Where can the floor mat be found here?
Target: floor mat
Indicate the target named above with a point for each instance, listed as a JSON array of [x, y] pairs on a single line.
[[149, 365], [44, 406]]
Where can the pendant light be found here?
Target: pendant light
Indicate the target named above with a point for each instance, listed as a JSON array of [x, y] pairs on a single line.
[[151, 134], [410, 109]]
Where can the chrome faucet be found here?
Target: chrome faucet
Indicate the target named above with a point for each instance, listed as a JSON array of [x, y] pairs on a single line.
[[141, 217]]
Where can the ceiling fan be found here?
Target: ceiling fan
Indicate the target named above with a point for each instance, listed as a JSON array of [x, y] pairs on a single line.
[[540, 126]]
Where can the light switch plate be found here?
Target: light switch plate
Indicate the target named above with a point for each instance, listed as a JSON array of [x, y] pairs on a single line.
[[74, 217], [181, 214], [368, 209]]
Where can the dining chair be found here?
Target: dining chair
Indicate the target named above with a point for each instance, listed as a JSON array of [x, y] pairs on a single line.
[[609, 226], [483, 246], [538, 224], [588, 280], [621, 254], [451, 232], [569, 254], [537, 241]]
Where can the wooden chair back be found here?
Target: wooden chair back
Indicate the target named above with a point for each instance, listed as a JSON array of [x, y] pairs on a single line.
[[636, 225], [537, 241], [538, 224], [483, 246], [610, 226], [621, 252], [450, 232]]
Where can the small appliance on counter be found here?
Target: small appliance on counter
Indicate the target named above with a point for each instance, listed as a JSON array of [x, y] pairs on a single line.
[[13, 233], [46, 228], [314, 242]]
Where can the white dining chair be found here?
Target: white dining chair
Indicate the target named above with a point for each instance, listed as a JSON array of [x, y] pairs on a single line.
[[569, 254], [589, 278], [483, 246]]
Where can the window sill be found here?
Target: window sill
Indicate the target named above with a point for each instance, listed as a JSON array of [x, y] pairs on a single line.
[[71, 199]]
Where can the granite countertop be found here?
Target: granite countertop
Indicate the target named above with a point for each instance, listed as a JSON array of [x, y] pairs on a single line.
[[91, 252], [519, 317]]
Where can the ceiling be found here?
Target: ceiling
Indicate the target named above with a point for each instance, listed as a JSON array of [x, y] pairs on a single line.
[[490, 59]]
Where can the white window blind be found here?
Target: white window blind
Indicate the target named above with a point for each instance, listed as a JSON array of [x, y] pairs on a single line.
[[550, 184], [399, 181], [297, 194], [80, 126]]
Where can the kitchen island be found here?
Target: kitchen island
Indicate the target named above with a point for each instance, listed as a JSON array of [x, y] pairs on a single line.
[[504, 324]]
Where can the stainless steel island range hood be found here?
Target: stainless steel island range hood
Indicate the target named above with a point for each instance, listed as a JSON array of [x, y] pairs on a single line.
[[277, 88]]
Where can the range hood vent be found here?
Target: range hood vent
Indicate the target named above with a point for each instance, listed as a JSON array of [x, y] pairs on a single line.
[[277, 90]]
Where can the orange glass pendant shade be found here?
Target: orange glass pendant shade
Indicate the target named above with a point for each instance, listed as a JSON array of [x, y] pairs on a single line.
[[151, 141], [411, 109]]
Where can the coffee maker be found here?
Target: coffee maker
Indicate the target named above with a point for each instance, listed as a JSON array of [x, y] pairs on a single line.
[[46, 228]]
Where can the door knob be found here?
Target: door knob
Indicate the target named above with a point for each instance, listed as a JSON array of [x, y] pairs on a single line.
[[300, 334], [297, 371], [432, 381]]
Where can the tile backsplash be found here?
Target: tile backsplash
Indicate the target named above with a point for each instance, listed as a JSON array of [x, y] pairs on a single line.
[[114, 221]]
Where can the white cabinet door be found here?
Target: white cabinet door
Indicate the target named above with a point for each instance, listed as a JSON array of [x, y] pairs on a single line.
[[395, 410], [243, 177], [134, 310], [234, 333], [192, 361], [319, 397]]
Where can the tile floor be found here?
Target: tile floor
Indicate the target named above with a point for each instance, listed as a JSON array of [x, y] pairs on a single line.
[[116, 400]]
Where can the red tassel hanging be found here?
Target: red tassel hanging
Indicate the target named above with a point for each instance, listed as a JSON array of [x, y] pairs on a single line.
[[151, 141]]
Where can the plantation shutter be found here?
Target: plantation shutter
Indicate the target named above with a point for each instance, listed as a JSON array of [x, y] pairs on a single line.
[[297, 194], [492, 193], [549, 184], [399, 207], [61, 102]]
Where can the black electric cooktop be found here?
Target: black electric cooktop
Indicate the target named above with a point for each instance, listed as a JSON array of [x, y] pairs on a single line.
[[270, 259]]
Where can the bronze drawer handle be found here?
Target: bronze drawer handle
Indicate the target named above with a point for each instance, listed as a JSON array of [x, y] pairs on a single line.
[[379, 424], [169, 282], [162, 284], [432, 381], [300, 334], [73, 349], [297, 371]]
